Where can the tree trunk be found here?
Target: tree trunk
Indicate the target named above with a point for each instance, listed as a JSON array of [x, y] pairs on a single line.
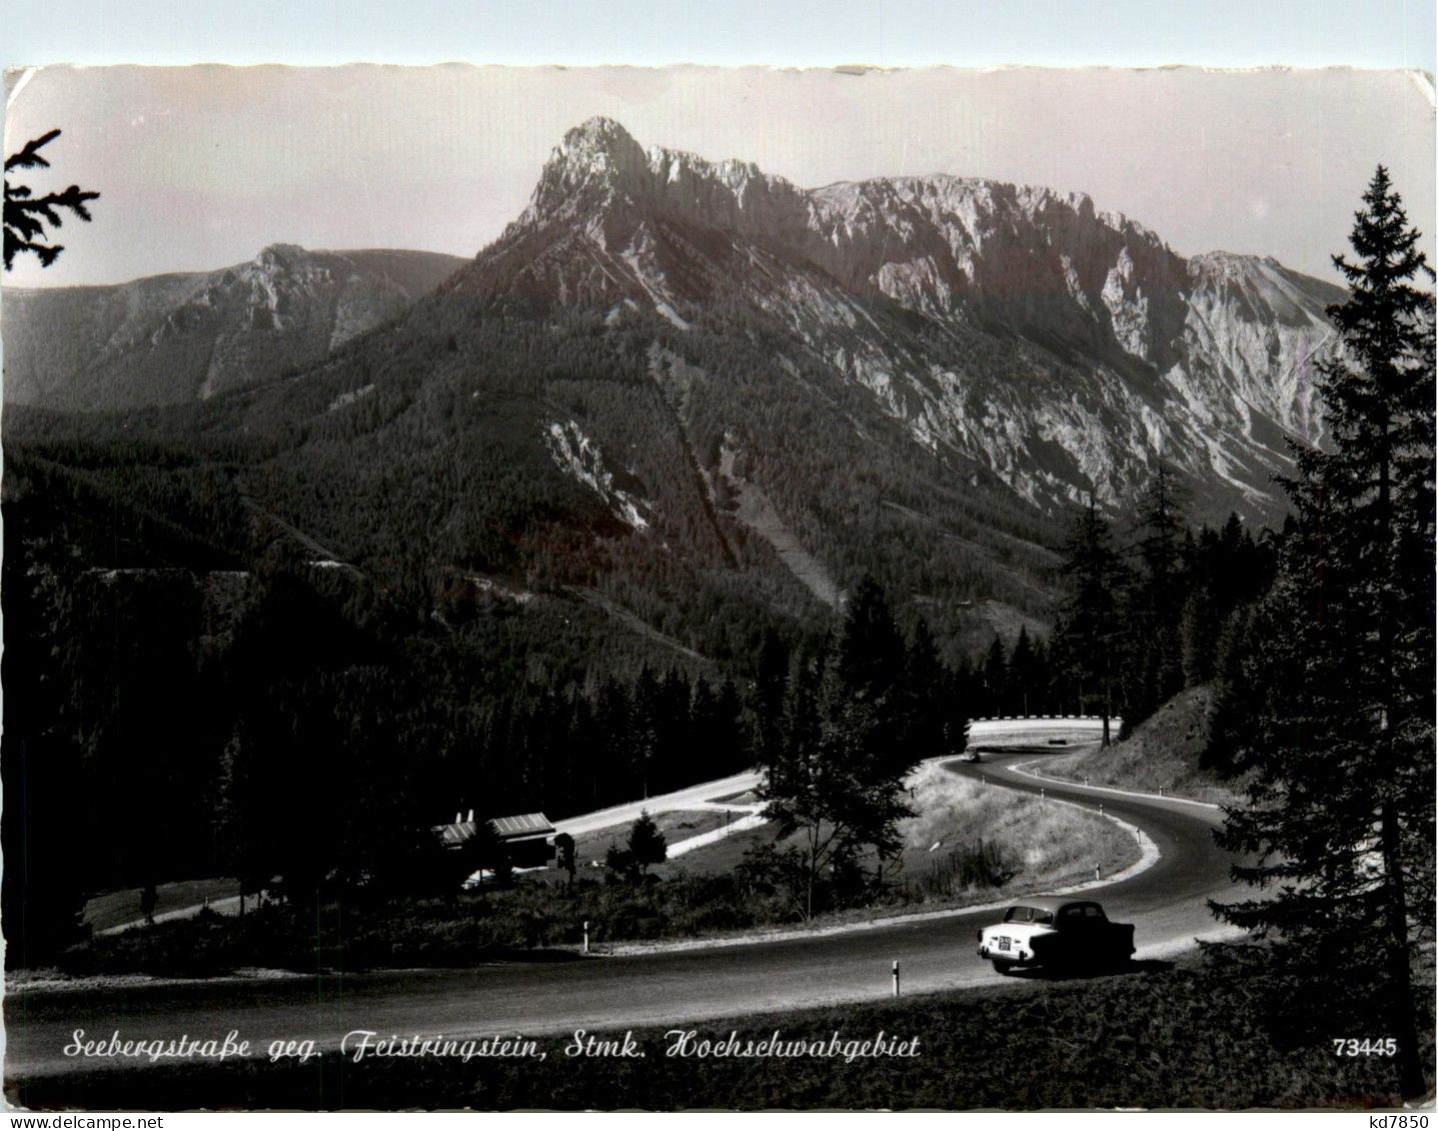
[[1401, 1007], [1106, 708]]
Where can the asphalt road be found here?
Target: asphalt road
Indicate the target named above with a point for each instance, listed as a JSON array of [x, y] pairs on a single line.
[[980, 731], [1166, 902]]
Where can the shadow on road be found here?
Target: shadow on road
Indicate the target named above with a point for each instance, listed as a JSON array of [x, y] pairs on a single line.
[[503, 956], [1142, 966]]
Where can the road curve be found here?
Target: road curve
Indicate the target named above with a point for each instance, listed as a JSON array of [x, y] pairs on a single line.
[[1166, 901]]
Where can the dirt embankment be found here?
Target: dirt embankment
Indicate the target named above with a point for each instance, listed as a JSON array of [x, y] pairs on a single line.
[[1045, 843], [1162, 754]]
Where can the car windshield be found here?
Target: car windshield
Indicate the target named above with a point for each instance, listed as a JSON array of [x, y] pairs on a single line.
[[1028, 915]]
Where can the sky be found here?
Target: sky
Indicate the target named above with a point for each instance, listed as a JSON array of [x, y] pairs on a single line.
[[201, 167]]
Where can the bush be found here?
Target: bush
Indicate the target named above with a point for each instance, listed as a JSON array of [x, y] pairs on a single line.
[[969, 867]]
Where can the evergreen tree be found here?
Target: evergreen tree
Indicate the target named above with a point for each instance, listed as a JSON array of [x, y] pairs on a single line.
[[241, 819], [564, 855], [27, 215], [647, 845], [731, 741], [612, 725], [1340, 738], [996, 679], [871, 650], [1153, 651], [148, 899], [1025, 675], [48, 871], [645, 728], [1089, 628], [486, 851], [769, 687], [837, 779], [925, 685]]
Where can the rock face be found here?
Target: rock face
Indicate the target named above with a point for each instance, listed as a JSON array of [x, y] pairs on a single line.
[[176, 338], [1066, 349]]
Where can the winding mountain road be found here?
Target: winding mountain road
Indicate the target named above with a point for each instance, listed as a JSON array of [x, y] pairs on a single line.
[[1166, 902]]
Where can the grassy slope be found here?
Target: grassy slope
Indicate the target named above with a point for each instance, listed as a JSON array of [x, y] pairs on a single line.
[[1190, 1036], [676, 825], [117, 907], [1162, 752], [1046, 843]]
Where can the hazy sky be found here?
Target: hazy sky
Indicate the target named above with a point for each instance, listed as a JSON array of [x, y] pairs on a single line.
[[201, 167]]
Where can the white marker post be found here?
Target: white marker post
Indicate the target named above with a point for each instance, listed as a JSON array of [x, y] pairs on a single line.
[[1098, 875], [896, 977], [586, 936]]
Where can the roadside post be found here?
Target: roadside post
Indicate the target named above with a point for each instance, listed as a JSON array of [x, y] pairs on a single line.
[[586, 936], [896, 977]]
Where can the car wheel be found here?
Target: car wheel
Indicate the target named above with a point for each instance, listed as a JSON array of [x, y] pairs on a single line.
[[1002, 967]]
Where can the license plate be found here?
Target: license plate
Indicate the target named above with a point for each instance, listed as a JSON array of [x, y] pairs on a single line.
[[1004, 942]]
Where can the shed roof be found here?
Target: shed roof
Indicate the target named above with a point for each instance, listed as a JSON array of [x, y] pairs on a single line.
[[522, 826]]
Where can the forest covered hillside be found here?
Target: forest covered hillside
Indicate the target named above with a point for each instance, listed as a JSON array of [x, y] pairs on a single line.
[[176, 338]]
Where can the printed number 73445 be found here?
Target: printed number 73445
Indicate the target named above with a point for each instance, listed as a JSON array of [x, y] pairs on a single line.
[[1351, 1046]]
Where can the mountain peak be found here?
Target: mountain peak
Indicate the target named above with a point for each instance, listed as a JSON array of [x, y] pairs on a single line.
[[600, 147], [281, 251], [598, 131], [281, 257]]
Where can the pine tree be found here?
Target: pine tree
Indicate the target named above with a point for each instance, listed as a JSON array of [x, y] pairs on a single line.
[[1154, 652], [996, 678], [1025, 675], [871, 651], [647, 845], [769, 686], [837, 779], [926, 687], [644, 733], [1089, 629], [26, 215], [1340, 736], [486, 851], [564, 855]]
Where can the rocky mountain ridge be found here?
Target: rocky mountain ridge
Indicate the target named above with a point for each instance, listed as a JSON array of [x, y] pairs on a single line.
[[1067, 349]]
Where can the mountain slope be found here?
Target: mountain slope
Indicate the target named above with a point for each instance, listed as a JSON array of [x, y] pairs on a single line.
[[1064, 349], [175, 338]]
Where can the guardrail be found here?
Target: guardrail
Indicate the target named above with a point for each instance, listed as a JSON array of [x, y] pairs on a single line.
[[1115, 721]]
